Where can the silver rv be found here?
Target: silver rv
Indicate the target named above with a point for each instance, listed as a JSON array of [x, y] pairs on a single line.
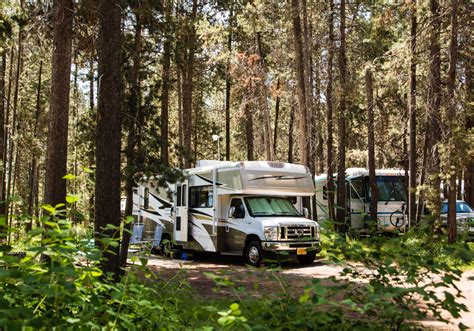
[[246, 208]]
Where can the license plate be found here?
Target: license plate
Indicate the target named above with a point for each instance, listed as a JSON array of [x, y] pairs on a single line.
[[301, 251]]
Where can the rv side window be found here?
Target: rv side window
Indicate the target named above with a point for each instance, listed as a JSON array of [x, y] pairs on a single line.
[[183, 190], [146, 198], [200, 197], [239, 208], [178, 196], [357, 189]]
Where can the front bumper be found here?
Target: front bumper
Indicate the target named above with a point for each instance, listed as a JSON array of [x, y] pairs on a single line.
[[291, 246]]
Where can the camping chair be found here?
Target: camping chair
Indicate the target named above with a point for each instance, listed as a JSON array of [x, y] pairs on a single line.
[[137, 238], [156, 241]]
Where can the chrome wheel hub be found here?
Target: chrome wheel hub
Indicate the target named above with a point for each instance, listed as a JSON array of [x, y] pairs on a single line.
[[254, 255]]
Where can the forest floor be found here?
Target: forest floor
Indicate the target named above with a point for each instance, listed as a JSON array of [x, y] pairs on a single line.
[[214, 276]]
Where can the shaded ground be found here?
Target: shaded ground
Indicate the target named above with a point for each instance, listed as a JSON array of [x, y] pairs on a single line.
[[215, 276]]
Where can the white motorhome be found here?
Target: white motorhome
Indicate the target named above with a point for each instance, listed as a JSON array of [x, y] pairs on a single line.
[[392, 199], [238, 208]]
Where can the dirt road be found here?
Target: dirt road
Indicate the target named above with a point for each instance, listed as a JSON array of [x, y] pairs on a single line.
[[299, 276]]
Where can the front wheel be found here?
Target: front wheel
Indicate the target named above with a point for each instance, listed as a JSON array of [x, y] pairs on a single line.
[[306, 259], [254, 253]]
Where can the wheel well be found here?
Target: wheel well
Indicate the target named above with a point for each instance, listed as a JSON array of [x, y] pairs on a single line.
[[251, 237]]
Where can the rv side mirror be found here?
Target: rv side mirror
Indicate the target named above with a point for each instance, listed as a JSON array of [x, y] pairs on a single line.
[[231, 212], [306, 212]]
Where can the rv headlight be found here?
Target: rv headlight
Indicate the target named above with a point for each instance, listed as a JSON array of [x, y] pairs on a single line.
[[271, 233]]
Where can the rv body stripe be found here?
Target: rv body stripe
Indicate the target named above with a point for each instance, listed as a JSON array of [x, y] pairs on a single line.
[[195, 211], [164, 203]]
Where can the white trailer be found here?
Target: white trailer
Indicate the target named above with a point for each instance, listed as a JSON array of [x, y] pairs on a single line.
[[248, 208], [392, 199]]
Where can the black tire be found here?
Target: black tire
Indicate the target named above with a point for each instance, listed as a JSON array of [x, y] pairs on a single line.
[[306, 259], [254, 253]]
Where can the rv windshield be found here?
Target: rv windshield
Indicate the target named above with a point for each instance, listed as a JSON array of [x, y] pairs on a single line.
[[391, 188], [270, 206]]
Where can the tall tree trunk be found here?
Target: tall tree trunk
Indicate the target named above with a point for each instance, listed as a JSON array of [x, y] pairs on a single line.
[[249, 131], [451, 83], [263, 102], [134, 135], [341, 116], [56, 152], [290, 133], [412, 120], [11, 157], [371, 146], [179, 90], [188, 87], [34, 162], [91, 153], [469, 111], [308, 85], [107, 191], [433, 127], [277, 115], [6, 137], [329, 114], [3, 68], [227, 92], [301, 86], [165, 87]]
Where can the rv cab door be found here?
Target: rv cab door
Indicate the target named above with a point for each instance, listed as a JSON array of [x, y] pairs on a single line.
[[181, 219]]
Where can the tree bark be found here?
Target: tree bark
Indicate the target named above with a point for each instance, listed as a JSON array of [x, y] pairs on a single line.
[[134, 135], [341, 164], [34, 162], [277, 115], [165, 87], [56, 152], [301, 86], [3, 68], [227, 92], [249, 131], [188, 87], [451, 84], [329, 114], [412, 120], [371, 146], [107, 190], [290, 134], [263, 102]]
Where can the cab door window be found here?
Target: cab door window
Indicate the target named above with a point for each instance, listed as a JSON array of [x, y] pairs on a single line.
[[239, 208]]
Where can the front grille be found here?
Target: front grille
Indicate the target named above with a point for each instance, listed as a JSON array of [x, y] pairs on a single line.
[[297, 232]]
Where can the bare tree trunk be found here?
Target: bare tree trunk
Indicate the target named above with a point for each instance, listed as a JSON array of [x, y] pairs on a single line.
[[308, 85], [301, 86], [433, 127], [6, 137], [91, 153], [341, 164], [469, 169], [412, 120], [134, 135], [56, 153], [451, 82], [371, 145], [179, 89], [107, 196], [290, 134], [277, 115], [34, 162], [263, 103], [249, 131], [329, 114], [188, 87], [165, 87], [11, 157], [227, 92], [3, 68]]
